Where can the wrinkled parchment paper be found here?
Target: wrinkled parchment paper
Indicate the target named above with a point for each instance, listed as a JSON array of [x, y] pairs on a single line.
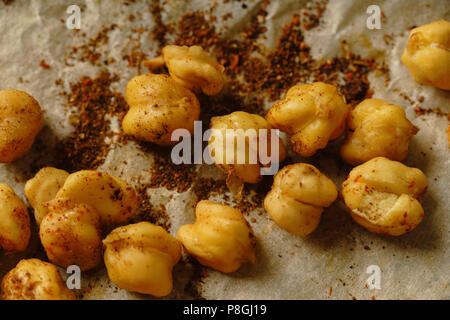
[[330, 263]]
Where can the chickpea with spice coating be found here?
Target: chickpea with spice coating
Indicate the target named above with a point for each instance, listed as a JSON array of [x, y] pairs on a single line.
[[299, 194], [70, 234], [33, 279], [312, 114], [383, 196], [427, 54], [70, 229], [377, 128], [241, 161], [158, 106], [220, 238], [191, 67], [140, 257], [14, 221], [43, 188], [113, 198], [20, 122]]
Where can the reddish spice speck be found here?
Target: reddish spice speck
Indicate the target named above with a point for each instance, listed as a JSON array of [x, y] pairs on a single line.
[[235, 61], [49, 250], [85, 147], [44, 65]]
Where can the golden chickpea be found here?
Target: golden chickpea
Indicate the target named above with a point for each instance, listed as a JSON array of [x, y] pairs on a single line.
[[237, 161], [14, 221], [192, 68], [220, 238], [20, 122], [297, 198], [70, 234], [33, 279], [158, 106], [43, 188], [382, 196], [377, 128], [312, 113], [140, 257], [114, 199], [427, 54]]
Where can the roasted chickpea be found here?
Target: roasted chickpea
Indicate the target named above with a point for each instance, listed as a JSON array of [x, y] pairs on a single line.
[[192, 68], [70, 234], [33, 279], [241, 160], [312, 113], [298, 195], [158, 106], [20, 122], [14, 221], [43, 188], [220, 238], [382, 196], [114, 199], [377, 128], [427, 54], [140, 257]]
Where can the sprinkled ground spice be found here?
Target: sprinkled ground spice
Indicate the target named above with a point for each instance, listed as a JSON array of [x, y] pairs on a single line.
[[311, 13], [165, 173], [290, 63], [194, 286], [253, 196], [135, 55], [161, 30], [44, 64], [350, 75], [204, 188], [437, 111], [195, 29], [93, 100], [287, 64], [90, 51], [147, 211]]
